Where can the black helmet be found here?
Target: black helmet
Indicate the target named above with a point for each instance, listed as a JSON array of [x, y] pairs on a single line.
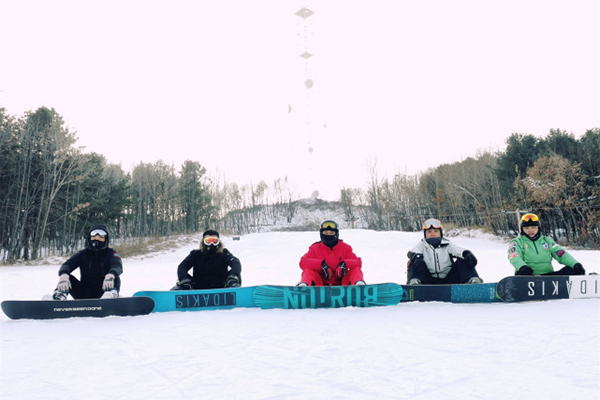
[[329, 240], [97, 245], [531, 220]]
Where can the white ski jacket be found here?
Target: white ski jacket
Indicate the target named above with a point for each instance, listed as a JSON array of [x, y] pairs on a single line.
[[438, 259]]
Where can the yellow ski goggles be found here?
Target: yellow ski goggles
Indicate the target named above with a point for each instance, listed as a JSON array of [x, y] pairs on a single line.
[[329, 225], [530, 218]]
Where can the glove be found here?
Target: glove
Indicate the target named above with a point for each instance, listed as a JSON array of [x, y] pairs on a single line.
[[232, 281], [469, 258], [525, 270], [341, 270], [64, 283], [578, 268], [109, 282], [414, 260], [325, 269], [185, 284]]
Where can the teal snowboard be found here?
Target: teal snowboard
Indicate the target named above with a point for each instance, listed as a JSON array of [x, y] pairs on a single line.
[[458, 293], [199, 300], [299, 297]]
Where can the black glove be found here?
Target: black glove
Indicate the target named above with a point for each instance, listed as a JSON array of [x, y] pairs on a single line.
[[415, 260], [232, 281], [469, 258], [341, 270], [185, 284], [525, 270], [325, 269], [578, 268]]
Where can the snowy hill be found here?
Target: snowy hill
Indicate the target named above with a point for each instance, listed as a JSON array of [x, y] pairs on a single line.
[[301, 215]]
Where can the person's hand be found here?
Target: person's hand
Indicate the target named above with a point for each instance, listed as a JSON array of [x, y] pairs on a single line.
[[469, 258], [185, 284], [64, 283], [525, 270], [341, 270], [232, 281], [109, 282], [578, 268], [326, 269]]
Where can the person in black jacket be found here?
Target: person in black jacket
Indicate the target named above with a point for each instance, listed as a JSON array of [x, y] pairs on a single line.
[[99, 267], [213, 266]]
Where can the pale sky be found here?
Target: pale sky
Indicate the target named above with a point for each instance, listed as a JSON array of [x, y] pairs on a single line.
[[403, 85]]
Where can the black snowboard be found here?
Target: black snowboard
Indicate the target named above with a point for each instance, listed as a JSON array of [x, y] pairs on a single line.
[[548, 287], [50, 309]]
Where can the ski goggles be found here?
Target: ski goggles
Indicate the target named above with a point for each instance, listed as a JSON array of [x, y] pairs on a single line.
[[329, 225], [530, 218], [211, 241], [98, 232], [432, 223]]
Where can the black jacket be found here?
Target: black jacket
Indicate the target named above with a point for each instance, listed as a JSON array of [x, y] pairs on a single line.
[[94, 264], [209, 270]]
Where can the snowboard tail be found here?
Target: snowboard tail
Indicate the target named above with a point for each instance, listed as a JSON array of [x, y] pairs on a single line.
[[549, 287], [301, 297], [51, 309], [199, 300]]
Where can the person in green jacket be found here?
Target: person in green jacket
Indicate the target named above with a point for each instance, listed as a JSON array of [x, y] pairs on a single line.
[[531, 253]]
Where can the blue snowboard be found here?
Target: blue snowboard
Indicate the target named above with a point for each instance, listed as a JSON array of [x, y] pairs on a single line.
[[465, 293], [199, 300], [299, 297]]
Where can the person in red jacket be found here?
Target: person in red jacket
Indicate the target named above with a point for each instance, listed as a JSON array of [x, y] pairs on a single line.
[[330, 262]]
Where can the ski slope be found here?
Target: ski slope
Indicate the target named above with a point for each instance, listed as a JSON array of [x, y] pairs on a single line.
[[544, 350]]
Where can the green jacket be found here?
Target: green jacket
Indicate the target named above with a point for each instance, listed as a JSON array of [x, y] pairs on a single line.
[[537, 254]]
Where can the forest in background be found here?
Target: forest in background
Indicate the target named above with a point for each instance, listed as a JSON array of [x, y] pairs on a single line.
[[52, 191]]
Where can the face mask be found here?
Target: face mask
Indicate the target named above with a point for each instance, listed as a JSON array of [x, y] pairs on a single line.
[[97, 245], [435, 242], [211, 249], [329, 241]]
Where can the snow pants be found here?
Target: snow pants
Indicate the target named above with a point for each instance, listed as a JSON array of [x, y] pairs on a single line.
[[80, 290], [461, 272], [565, 271], [317, 278]]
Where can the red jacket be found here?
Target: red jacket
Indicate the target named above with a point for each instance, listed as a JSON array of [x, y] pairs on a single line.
[[317, 252]]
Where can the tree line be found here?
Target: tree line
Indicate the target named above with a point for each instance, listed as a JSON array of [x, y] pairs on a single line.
[[556, 177], [52, 191]]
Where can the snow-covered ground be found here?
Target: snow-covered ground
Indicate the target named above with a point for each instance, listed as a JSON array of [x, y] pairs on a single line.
[[544, 350]]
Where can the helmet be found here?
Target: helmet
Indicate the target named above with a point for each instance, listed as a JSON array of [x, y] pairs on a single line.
[[329, 240], [97, 245], [433, 223], [530, 220]]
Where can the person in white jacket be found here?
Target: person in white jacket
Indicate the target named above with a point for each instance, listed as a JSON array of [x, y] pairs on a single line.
[[436, 260]]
